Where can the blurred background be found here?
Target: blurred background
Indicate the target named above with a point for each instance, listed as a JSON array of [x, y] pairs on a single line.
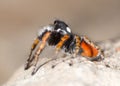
[[20, 20]]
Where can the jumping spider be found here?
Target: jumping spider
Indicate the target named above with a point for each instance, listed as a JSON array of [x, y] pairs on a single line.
[[59, 35]]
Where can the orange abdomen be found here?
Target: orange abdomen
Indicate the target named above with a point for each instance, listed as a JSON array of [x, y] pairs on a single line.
[[88, 50]]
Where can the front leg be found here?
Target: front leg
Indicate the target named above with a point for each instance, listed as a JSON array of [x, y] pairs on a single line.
[[35, 57], [30, 59], [39, 50]]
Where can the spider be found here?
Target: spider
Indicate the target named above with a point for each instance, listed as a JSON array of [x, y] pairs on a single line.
[[60, 35]]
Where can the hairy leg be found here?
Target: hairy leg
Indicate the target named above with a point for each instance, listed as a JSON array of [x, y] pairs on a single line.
[[39, 50], [34, 59], [77, 45], [60, 44], [30, 59]]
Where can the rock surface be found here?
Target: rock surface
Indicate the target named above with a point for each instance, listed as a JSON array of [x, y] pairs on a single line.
[[81, 73]]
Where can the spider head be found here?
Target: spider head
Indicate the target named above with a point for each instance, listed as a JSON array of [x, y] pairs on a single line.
[[61, 27]]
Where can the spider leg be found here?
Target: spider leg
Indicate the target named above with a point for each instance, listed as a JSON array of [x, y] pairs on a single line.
[[39, 50], [77, 45], [33, 47], [30, 59], [76, 51], [60, 44]]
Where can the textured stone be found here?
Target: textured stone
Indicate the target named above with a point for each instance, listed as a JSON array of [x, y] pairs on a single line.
[[80, 73]]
